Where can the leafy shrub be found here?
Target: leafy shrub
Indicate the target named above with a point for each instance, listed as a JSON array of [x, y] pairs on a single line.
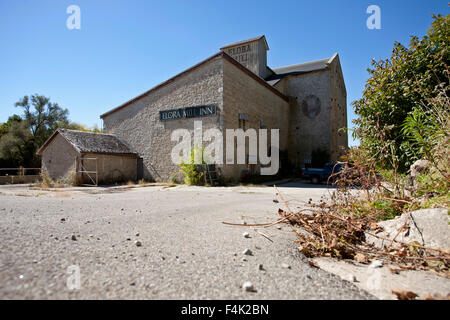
[[193, 174], [47, 182], [173, 178], [386, 210], [399, 114]]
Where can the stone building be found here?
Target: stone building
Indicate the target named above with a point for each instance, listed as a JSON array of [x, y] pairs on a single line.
[[91, 158], [306, 102], [236, 89]]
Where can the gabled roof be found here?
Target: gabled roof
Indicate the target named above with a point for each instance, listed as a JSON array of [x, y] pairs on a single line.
[[303, 67], [300, 68], [162, 84], [246, 41], [219, 55], [91, 142]]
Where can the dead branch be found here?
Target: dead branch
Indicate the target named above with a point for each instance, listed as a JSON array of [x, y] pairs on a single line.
[[399, 230], [282, 199], [398, 200], [247, 224], [262, 234]]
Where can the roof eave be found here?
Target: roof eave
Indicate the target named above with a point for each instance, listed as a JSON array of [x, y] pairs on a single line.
[[256, 77], [47, 142], [219, 54], [170, 80], [111, 153], [247, 41]]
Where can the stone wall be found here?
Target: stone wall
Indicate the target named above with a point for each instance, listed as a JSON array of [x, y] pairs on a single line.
[[338, 112], [59, 159], [111, 168], [244, 94], [309, 124], [138, 123], [252, 55]]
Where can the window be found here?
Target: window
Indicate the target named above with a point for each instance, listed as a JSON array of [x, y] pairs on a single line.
[[242, 124], [242, 120], [262, 125]]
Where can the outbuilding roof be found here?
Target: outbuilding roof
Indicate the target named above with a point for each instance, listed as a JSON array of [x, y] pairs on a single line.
[[91, 142]]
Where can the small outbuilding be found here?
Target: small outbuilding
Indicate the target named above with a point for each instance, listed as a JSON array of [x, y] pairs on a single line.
[[88, 157]]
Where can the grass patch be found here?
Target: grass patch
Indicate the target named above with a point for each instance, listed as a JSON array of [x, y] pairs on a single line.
[[27, 195], [435, 202], [251, 185], [47, 182], [169, 186], [378, 210]]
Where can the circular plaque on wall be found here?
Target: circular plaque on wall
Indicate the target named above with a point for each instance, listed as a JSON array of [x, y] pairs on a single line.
[[311, 106]]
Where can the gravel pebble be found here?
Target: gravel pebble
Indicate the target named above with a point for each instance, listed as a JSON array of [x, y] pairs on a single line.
[[351, 278], [248, 286], [376, 264]]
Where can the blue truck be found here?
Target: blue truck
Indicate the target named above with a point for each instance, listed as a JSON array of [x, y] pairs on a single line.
[[319, 175]]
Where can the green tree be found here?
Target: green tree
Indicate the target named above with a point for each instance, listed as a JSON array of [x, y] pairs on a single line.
[[16, 147], [4, 127], [398, 90], [81, 127], [20, 137], [42, 117]]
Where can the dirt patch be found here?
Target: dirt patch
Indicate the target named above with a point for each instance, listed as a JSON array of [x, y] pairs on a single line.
[[63, 195]]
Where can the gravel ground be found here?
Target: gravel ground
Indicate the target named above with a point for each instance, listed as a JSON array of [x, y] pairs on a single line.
[[186, 252]]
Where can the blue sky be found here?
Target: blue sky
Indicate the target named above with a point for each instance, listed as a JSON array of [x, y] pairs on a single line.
[[126, 47]]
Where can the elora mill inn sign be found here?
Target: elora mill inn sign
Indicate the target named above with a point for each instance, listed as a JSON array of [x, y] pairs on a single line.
[[190, 112]]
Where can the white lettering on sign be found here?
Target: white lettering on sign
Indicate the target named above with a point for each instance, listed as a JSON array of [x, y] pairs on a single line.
[[185, 113]]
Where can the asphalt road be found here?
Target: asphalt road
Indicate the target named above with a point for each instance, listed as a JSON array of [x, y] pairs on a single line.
[[186, 252]]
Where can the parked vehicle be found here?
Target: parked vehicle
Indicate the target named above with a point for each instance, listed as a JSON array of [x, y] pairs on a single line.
[[318, 175]]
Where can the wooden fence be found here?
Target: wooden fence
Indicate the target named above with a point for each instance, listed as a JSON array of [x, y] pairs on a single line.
[[19, 175]]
